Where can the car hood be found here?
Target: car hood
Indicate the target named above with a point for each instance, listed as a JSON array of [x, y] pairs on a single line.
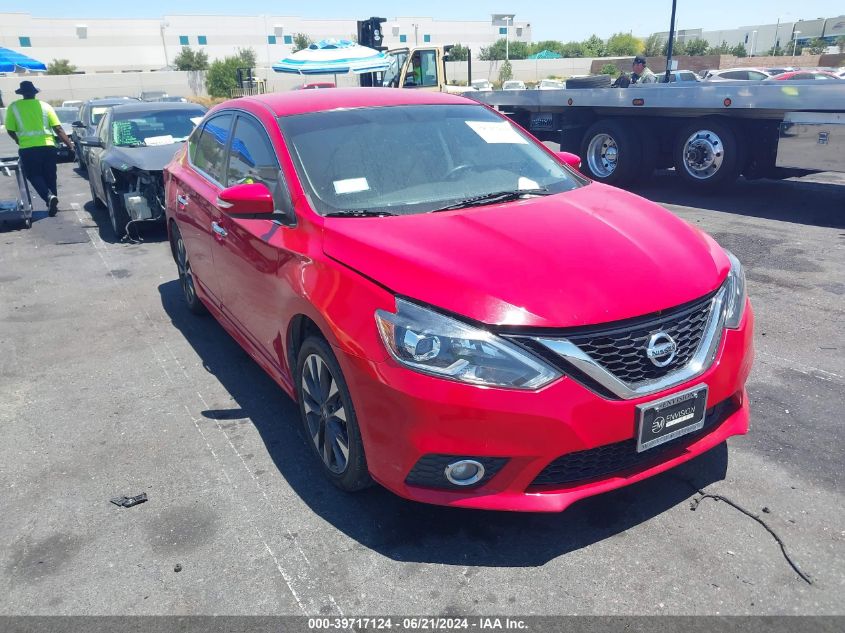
[[592, 255], [152, 158]]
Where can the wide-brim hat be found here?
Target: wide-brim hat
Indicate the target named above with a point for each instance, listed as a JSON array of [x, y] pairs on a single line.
[[27, 88]]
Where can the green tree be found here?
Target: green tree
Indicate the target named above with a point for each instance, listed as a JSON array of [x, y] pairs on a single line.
[[609, 69], [458, 53], [817, 46], [189, 59], [775, 51], [515, 50], [623, 44], [739, 51], [653, 45], [301, 41], [721, 49], [697, 47], [593, 46], [222, 76], [505, 72], [840, 42], [572, 49], [678, 48], [60, 67]]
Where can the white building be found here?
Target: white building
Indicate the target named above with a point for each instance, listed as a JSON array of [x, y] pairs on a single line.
[[125, 45]]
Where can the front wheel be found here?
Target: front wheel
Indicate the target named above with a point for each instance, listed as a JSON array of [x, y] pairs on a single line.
[[328, 416], [709, 154]]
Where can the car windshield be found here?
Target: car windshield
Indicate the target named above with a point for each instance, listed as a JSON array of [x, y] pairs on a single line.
[[163, 127], [415, 159], [67, 115]]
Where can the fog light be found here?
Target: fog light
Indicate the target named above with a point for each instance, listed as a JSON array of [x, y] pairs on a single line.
[[464, 472]]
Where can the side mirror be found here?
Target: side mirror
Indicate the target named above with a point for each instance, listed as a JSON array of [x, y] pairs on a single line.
[[77, 124], [248, 199], [573, 160], [91, 141]]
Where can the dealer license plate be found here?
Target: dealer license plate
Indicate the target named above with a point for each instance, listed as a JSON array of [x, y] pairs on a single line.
[[671, 417]]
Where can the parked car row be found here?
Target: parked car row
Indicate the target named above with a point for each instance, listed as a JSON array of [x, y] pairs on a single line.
[[770, 74]]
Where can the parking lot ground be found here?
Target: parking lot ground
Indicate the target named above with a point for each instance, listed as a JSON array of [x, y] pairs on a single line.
[[110, 387]]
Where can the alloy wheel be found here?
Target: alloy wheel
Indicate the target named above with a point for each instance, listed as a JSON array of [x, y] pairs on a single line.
[[325, 414], [602, 155]]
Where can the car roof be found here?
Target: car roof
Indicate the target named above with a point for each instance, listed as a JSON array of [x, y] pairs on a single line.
[[306, 101], [107, 102], [155, 106]]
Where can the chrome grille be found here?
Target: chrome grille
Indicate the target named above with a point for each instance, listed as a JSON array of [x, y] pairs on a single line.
[[623, 352]]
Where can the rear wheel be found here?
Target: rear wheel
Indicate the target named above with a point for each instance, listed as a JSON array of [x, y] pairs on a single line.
[[186, 276], [611, 153], [709, 154], [328, 416]]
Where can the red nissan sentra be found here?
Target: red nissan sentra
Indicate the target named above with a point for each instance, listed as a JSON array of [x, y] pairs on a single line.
[[461, 316]]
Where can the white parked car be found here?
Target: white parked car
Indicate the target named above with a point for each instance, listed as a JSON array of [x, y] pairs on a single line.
[[481, 84], [550, 84], [738, 74], [513, 84], [72, 104]]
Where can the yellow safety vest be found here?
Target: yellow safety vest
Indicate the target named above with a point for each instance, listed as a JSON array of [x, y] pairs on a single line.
[[33, 122]]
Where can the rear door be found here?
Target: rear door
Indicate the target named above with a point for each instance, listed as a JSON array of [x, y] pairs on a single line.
[[96, 170], [192, 196]]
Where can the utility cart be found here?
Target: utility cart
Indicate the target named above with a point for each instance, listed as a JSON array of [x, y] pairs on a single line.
[[15, 201]]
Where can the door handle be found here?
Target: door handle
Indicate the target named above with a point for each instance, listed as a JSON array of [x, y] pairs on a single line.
[[219, 230], [182, 199]]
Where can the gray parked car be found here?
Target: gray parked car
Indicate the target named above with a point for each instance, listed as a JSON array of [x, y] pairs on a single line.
[[86, 125]]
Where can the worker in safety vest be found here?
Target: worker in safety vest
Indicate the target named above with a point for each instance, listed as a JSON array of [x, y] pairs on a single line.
[[31, 124]]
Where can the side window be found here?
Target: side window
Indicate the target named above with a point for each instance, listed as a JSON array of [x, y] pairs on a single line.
[[103, 128], [251, 157], [735, 74], [208, 152], [423, 71], [755, 75]]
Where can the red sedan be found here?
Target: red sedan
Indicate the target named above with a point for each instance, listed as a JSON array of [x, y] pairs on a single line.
[[461, 316], [797, 75]]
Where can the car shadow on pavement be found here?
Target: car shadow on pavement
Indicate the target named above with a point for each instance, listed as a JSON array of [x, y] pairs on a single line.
[[799, 201], [149, 232], [405, 530]]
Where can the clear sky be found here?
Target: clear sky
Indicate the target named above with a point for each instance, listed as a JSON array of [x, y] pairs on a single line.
[[549, 19]]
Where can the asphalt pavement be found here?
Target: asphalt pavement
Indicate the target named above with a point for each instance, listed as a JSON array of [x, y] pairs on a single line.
[[110, 387]]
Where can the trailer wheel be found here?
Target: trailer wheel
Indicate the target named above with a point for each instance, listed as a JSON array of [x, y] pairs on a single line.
[[611, 153], [708, 154]]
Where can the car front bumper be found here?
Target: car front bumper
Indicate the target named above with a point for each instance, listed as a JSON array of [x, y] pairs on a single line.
[[405, 416]]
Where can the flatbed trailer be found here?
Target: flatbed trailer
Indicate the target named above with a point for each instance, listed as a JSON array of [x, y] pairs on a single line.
[[710, 132]]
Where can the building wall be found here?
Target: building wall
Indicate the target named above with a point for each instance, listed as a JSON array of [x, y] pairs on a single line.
[[108, 45]]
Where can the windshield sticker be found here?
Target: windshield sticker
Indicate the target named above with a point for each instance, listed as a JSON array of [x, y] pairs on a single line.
[[351, 185], [496, 132], [527, 183], [166, 139]]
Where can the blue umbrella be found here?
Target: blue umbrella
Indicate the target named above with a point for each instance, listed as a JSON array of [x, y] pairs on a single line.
[[10, 61], [329, 57]]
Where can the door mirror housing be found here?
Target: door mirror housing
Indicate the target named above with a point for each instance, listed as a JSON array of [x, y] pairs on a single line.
[[246, 200], [573, 160], [91, 141]]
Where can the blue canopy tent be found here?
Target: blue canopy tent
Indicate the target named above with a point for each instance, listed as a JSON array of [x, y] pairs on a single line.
[[11, 61], [545, 54], [330, 57]]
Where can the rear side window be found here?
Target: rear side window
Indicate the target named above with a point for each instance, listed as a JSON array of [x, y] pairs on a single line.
[[208, 150], [735, 74]]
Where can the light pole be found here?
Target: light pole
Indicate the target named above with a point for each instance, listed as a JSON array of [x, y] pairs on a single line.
[[795, 35], [507, 20], [753, 42], [162, 26]]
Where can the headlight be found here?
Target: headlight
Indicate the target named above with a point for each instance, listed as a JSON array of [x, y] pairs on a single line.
[[432, 343], [735, 300]]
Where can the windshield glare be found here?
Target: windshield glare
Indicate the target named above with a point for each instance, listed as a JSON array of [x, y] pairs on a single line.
[[137, 129], [415, 159]]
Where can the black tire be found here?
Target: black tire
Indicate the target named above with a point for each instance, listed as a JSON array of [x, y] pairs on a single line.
[[27, 223], [98, 204], [322, 394], [611, 152], [593, 81], [80, 160], [118, 216], [186, 277], [709, 154]]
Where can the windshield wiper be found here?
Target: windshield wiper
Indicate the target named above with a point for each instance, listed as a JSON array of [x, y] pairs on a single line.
[[494, 197], [358, 213]]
